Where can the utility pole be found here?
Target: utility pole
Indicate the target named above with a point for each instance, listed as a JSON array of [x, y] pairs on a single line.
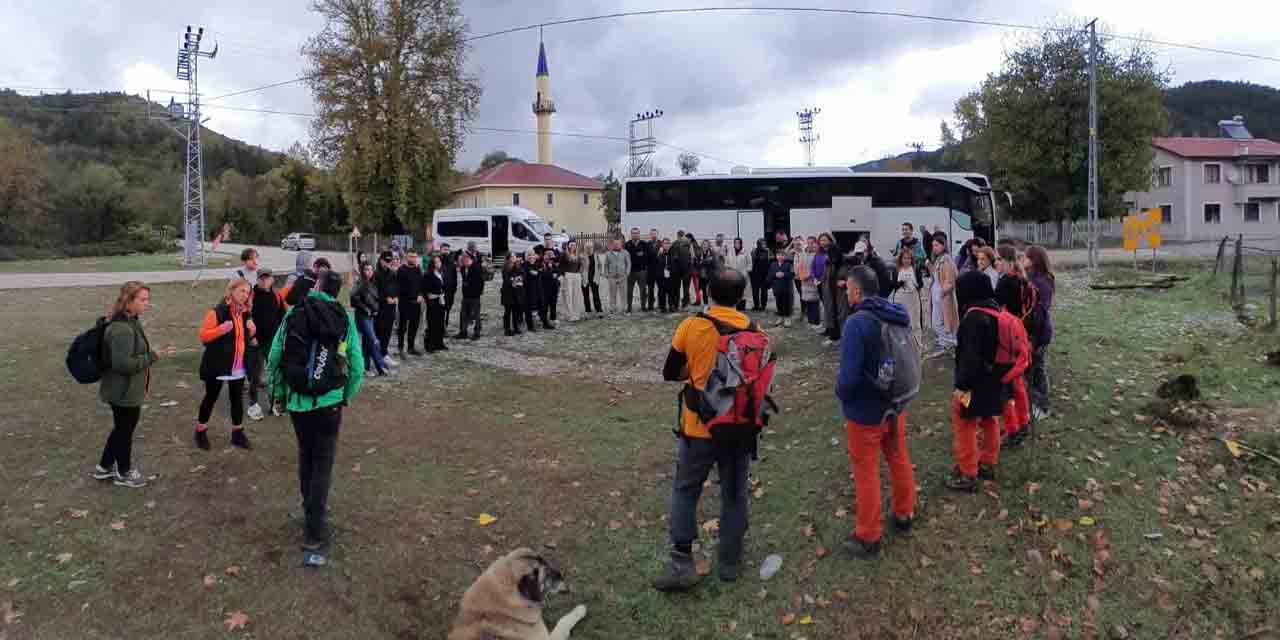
[[188, 126], [917, 161], [807, 137], [641, 147], [1093, 144]]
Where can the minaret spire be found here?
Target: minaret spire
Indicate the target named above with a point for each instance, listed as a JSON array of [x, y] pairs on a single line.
[[543, 105]]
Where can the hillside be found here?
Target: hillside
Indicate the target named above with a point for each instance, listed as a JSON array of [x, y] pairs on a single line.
[[1196, 107]]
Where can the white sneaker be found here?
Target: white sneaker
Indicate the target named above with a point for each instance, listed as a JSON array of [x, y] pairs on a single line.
[[390, 362], [829, 343], [102, 473], [787, 323], [817, 328], [132, 480], [275, 410], [254, 412]]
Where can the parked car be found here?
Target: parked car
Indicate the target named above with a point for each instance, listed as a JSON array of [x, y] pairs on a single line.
[[298, 242]]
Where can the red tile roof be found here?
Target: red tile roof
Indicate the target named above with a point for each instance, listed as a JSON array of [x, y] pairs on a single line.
[[1217, 147], [512, 173]]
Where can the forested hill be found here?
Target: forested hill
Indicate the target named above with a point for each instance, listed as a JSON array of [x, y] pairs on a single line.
[[1196, 107]]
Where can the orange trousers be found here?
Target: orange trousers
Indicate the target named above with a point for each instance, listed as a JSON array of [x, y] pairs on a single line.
[[1017, 411], [866, 444], [966, 440]]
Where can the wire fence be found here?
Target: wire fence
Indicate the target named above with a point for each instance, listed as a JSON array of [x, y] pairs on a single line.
[[1254, 277]]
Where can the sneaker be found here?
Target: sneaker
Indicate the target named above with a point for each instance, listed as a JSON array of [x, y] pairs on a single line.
[[132, 480], [102, 473], [275, 410], [959, 482], [862, 550], [787, 323], [254, 412], [829, 343], [817, 328], [314, 559], [987, 472], [903, 527], [1038, 414], [239, 439], [202, 439], [370, 373], [680, 574], [390, 362]]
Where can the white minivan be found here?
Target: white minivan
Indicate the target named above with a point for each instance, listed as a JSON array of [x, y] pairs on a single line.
[[495, 230]]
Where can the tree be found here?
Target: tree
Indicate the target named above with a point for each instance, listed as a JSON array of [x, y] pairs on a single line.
[[611, 200], [393, 100], [1027, 125], [24, 206], [96, 193], [688, 163], [495, 158]]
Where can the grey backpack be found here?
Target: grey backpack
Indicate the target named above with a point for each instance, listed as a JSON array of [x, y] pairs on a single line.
[[897, 374]]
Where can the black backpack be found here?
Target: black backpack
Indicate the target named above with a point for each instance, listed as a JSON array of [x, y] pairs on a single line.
[[315, 348], [85, 359]]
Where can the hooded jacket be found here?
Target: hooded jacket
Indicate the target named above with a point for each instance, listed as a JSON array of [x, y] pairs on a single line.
[[410, 281], [472, 281], [267, 309], [129, 357], [298, 403], [860, 400], [300, 266], [976, 342]]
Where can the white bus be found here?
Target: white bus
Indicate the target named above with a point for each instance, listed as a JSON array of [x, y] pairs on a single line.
[[756, 203]]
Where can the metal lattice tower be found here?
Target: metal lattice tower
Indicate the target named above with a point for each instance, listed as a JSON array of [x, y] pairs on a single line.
[[193, 184], [808, 139], [642, 147]]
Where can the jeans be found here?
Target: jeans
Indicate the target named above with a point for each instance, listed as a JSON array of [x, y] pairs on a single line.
[[615, 284], [235, 394], [410, 321], [694, 458], [119, 449], [371, 346], [253, 367], [317, 433], [469, 316], [636, 279], [1038, 378]]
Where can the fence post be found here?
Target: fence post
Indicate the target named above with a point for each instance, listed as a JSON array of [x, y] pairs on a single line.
[[1275, 276], [1237, 273], [1217, 264]]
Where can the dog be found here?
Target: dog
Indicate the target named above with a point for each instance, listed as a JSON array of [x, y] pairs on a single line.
[[505, 602]]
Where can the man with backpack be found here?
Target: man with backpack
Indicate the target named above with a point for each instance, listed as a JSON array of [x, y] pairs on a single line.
[[992, 349], [315, 369], [879, 374], [727, 365]]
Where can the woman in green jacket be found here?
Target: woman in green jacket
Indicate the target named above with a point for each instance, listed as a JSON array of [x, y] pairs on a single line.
[[129, 358]]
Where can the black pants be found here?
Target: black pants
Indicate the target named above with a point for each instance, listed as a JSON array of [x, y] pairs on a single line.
[[552, 297], [812, 311], [317, 433], [680, 282], [119, 449], [410, 322], [636, 279], [783, 295], [511, 317], [384, 323], [448, 305], [649, 299], [694, 459], [253, 367], [591, 293], [434, 338], [235, 394], [759, 294], [469, 316]]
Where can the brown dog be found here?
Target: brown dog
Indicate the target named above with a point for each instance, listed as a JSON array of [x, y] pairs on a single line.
[[505, 602]]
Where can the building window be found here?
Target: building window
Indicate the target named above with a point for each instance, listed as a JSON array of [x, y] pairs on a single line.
[[1166, 214], [1164, 176], [1257, 174], [1212, 174], [586, 199], [551, 199], [1252, 212], [1212, 213], [515, 199], [1130, 207]]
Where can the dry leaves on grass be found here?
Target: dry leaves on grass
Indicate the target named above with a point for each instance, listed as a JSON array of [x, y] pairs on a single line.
[[485, 520], [232, 572], [76, 514], [9, 614], [210, 581], [118, 525], [236, 620]]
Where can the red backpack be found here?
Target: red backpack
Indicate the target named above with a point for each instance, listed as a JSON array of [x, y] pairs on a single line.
[[736, 405], [1013, 347]]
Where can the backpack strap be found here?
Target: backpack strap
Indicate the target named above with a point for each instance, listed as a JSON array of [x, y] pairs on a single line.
[[726, 330]]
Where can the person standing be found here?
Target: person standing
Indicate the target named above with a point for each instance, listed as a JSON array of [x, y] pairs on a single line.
[[126, 381], [594, 270], [1013, 294], [472, 275], [225, 333], [710, 264], [638, 261], [364, 302], [296, 288], [512, 295], [388, 286], [681, 265], [978, 397], [248, 270], [433, 290], [534, 305], [740, 260], [1040, 320], [316, 416], [654, 266], [810, 300], [908, 295], [942, 295], [617, 268], [781, 278], [695, 270], [571, 285], [872, 426], [266, 308], [760, 259], [987, 264], [667, 288], [449, 272], [818, 274], [692, 359], [409, 278], [549, 281]]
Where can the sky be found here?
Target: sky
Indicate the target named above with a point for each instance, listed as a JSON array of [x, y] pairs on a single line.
[[729, 84]]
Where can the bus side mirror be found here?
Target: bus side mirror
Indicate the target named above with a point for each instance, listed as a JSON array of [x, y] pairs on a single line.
[[1009, 196]]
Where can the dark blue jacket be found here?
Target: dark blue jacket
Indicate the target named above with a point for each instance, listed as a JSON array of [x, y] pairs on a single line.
[[860, 354]]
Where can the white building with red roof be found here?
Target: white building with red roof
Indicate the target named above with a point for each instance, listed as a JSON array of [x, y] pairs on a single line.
[[1211, 187], [566, 200]]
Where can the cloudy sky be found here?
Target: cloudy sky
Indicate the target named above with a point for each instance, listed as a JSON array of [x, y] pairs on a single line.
[[729, 83]]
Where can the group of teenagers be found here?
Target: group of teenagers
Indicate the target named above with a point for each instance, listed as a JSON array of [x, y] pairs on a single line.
[[991, 310]]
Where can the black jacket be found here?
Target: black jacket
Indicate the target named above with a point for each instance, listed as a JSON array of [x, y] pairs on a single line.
[[410, 280], [449, 270], [220, 355], [1009, 293], [364, 298], [431, 285], [388, 284], [550, 277], [977, 338], [639, 250], [300, 288], [760, 259], [267, 314], [473, 281], [513, 288], [658, 263], [533, 297]]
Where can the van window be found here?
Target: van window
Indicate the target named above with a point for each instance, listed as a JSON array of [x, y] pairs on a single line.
[[521, 232], [463, 229]]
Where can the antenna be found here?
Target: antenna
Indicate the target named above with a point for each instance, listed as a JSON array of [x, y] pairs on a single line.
[[642, 147], [808, 139]]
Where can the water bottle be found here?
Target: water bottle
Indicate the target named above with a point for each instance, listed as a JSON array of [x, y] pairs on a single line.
[[770, 566], [886, 370]]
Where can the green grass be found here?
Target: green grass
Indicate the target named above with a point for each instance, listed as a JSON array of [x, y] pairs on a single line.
[[137, 262], [579, 468]]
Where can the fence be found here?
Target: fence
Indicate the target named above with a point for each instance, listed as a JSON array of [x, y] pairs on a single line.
[[1255, 271], [1059, 234]]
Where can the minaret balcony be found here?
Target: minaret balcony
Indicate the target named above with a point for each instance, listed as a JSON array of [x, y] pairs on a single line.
[[544, 106]]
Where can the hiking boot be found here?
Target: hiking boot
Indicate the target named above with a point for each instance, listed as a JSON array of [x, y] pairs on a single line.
[[254, 412], [102, 473], [132, 480], [987, 472], [202, 439], [680, 575], [903, 527], [239, 439], [862, 550], [960, 482]]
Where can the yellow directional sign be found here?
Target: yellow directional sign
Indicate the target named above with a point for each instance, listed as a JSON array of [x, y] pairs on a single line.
[[1142, 230]]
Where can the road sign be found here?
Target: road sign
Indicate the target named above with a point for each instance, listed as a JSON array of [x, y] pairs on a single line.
[[1142, 230]]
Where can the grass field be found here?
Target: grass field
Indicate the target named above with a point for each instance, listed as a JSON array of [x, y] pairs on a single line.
[[137, 262], [1121, 514]]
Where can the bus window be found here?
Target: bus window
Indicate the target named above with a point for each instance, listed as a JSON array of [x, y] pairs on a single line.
[[962, 220], [928, 193], [980, 209]]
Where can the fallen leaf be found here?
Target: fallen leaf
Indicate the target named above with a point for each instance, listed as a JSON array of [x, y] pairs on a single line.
[[806, 619], [355, 468], [518, 416], [1062, 524], [788, 619], [236, 620], [1032, 488], [762, 594], [9, 614], [614, 525], [821, 552], [232, 572], [712, 526], [77, 514], [823, 603], [118, 525], [757, 494], [485, 520], [840, 595], [1084, 504], [1087, 521], [840, 513], [209, 582], [1257, 574], [925, 562], [1233, 447], [702, 566], [809, 530], [1056, 576]]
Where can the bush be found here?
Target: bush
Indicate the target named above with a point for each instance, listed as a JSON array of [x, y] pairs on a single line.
[[123, 245]]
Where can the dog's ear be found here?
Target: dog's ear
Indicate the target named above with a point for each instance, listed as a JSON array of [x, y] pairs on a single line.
[[530, 585]]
